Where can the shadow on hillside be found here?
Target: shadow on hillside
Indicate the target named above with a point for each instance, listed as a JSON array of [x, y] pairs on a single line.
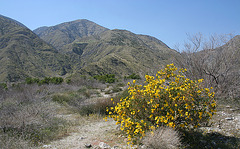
[[200, 140]]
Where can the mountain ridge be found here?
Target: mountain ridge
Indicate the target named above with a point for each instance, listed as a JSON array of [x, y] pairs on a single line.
[[109, 51], [65, 33], [23, 53], [82, 47]]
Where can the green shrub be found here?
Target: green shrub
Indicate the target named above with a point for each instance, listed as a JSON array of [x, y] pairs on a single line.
[[68, 81], [132, 76], [4, 86], [30, 80], [108, 78], [115, 89], [120, 85], [99, 107], [46, 80], [170, 100], [56, 80], [61, 98]]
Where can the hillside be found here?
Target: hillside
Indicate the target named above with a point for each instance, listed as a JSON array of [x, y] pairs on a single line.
[[121, 52], [97, 50], [66, 33], [84, 47], [23, 53]]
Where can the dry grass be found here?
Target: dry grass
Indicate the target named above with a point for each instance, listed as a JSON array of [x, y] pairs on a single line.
[[162, 138], [7, 142], [28, 117]]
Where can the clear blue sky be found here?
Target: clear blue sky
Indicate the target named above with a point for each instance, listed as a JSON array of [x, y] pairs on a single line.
[[167, 20]]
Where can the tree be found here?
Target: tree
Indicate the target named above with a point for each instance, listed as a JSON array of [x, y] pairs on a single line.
[[215, 59]]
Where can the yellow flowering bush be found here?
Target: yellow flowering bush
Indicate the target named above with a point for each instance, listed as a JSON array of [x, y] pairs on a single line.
[[169, 99]]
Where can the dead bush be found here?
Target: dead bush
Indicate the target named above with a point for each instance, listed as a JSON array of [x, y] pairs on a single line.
[[7, 142], [24, 113], [162, 138]]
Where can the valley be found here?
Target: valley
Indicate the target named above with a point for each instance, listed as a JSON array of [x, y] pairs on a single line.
[[56, 83]]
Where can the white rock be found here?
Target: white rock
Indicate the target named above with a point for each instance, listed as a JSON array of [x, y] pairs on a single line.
[[104, 145], [46, 146], [229, 118]]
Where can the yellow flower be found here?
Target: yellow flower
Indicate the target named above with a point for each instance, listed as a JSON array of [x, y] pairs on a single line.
[[156, 104], [182, 125], [213, 104], [165, 121]]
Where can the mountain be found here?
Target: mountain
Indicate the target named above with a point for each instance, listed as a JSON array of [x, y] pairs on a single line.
[[80, 47], [98, 50], [120, 52], [68, 32], [23, 53]]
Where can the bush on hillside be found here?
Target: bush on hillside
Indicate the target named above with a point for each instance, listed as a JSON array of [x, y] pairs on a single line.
[[132, 76], [170, 100], [108, 78], [3, 86], [46, 80]]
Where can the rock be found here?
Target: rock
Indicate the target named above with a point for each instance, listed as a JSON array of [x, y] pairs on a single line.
[[235, 109], [104, 145], [88, 145], [229, 118], [46, 146]]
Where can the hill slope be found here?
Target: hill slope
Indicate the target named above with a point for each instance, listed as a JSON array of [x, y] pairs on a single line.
[[23, 53], [97, 50], [66, 33], [120, 52]]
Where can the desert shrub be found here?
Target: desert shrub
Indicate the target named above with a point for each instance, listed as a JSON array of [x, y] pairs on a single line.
[[85, 91], [53, 80], [68, 81], [98, 107], [56, 80], [120, 84], [3, 86], [61, 98], [30, 80], [116, 89], [163, 137], [46, 80], [26, 115], [8, 142], [132, 76], [34, 121], [108, 78], [170, 100]]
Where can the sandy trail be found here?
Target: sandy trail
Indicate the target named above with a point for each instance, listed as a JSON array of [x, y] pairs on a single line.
[[93, 133]]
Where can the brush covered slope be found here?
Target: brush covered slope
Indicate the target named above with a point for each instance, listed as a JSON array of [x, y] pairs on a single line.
[[68, 32], [120, 52], [96, 50], [24, 54]]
